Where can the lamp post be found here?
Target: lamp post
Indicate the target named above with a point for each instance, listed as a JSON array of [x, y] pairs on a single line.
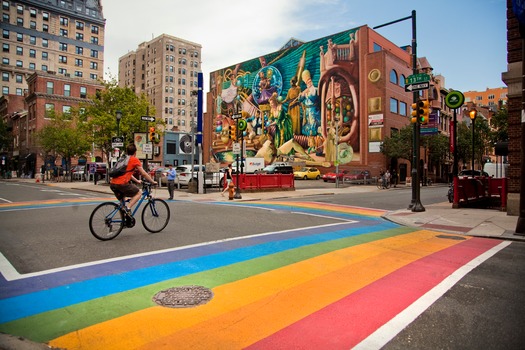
[[119, 116], [473, 114]]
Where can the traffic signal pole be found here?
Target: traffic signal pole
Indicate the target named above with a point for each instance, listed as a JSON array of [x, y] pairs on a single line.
[[415, 204]]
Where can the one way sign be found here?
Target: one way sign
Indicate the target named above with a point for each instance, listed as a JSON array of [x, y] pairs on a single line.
[[416, 87], [147, 118]]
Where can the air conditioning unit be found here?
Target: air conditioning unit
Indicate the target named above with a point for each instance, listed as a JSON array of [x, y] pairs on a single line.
[[67, 74]]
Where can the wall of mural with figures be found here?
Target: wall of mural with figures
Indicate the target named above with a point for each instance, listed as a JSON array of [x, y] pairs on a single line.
[[300, 103]]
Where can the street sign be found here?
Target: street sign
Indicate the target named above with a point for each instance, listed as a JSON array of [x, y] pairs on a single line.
[[417, 78], [236, 116], [147, 148], [147, 118], [117, 142], [454, 99], [236, 148], [417, 87]]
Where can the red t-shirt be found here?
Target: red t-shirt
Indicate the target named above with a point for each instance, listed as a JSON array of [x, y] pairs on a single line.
[[133, 164]]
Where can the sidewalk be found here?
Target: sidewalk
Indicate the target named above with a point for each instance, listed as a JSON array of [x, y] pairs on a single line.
[[438, 217]]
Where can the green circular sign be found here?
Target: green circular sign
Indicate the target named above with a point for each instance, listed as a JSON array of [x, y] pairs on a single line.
[[454, 99], [242, 125]]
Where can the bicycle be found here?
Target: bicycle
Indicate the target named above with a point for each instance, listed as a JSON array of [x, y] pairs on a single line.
[[382, 183], [108, 219]]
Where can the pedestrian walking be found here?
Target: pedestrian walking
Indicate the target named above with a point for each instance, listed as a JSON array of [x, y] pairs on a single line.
[[43, 172], [171, 175], [229, 179]]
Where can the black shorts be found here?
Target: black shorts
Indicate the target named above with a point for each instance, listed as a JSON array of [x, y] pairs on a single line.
[[121, 191]]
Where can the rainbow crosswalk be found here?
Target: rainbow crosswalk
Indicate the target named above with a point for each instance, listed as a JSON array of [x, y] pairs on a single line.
[[333, 287]]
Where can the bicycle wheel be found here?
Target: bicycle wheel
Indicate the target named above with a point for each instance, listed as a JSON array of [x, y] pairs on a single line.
[[155, 215], [106, 221]]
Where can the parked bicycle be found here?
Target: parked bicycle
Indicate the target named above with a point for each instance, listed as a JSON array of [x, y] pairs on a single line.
[[109, 218], [382, 183]]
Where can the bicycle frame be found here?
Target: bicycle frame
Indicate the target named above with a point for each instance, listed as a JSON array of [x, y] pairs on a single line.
[[145, 195]]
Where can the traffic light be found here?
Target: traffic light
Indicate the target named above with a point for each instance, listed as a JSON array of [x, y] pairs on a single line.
[[414, 118], [233, 132], [423, 111], [152, 134]]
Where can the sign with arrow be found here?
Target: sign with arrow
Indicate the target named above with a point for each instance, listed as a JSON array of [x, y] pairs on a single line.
[[417, 86], [147, 118]]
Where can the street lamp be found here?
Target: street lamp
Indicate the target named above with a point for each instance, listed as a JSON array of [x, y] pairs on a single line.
[[473, 114], [119, 116]]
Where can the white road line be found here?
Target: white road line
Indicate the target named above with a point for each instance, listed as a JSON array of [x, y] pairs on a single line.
[[389, 330], [5, 200]]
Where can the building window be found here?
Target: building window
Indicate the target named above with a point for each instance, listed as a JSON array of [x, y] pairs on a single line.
[[5, 17], [393, 76], [94, 29], [44, 67], [32, 66], [19, 78], [63, 32], [80, 25], [32, 13], [45, 28], [93, 65], [402, 81], [94, 53], [45, 43], [62, 71], [67, 90], [83, 92], [62, 46], [5, 60], [80, 36], [79, 50], [94, 40], [19, 91], [45, 55], [50, 108], [32, 40], [50, 88], [32, 53], [93, 76], [5, 34], [32, 25], [19, 22], [19, 37], [5, 47], [402, 108], [66, 111], [45, 16], [19, 63], [78, 74], [377, 47], [62, 59], [5, 90], [5, 76], [5, 5], [393, 105], [78, 62], [64, 21]]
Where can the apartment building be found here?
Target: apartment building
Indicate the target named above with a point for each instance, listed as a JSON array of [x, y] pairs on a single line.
[[166, 70], [493, 98], [65, 37]]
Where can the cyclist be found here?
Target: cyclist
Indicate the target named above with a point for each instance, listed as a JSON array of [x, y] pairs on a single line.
[[122, 186]]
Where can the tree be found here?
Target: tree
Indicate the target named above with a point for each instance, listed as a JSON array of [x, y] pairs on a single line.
[[399, 144], [4, 136], [499, 124], [101, 111], [64, 135]]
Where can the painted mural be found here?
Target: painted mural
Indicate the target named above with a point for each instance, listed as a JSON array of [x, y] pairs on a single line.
[[300, 103]]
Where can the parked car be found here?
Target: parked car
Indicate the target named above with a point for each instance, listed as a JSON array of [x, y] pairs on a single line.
[[160, 174], [360, 176], [277, 169], [78, 172], [307, 173], [470, 172], [331, 177], [99, 169], [184, 175]]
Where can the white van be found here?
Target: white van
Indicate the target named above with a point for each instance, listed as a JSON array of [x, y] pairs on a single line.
[[496, 169]]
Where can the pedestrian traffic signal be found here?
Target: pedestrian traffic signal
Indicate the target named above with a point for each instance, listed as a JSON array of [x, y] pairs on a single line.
[[423, 111], [152, 134], [233, 132]]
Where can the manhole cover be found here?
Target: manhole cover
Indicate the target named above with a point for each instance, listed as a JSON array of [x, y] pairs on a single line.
[[185, 296], [457, 238]]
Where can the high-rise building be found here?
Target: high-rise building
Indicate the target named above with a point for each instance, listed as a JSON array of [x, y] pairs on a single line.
[[61, 36], [166, 70]]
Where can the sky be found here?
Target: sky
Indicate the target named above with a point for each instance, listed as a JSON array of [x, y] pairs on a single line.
[[463, 40]]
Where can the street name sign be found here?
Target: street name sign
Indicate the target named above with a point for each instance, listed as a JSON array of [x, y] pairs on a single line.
[[147, 118], [417, 86], [417, 78]]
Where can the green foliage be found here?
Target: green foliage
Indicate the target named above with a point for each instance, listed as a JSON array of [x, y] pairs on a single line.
[[101, 115], [438, 147], [63, 135], [4, 136], [399, 144], [499, 124]]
